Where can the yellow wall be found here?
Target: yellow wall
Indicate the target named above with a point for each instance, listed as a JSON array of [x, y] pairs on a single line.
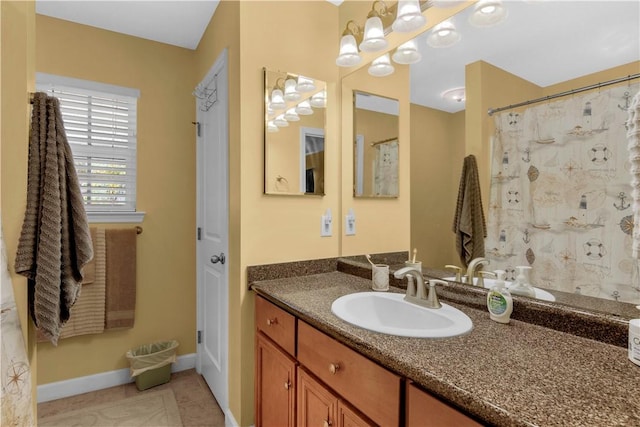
[[382, 224], [17, 77], [437, 152], [166, 279]]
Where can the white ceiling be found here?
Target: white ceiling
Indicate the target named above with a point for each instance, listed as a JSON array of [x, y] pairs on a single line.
[[176, 22], [545, 42]]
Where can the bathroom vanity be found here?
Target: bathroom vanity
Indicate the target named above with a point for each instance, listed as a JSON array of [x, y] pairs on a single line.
[[313, 368]]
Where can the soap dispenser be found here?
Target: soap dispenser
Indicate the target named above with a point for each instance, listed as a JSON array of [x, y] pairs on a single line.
[[499, 301], [521, 286]]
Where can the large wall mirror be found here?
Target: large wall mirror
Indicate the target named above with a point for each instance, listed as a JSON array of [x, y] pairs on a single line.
[[294, 137], [376, 145], [537, 42]]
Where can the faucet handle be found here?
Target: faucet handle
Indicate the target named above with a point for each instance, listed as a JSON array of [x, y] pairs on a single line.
[[458, 270], [432, 300], [482, 274]]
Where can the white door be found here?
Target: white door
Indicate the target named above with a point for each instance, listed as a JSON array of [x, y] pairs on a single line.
[[212, 219]]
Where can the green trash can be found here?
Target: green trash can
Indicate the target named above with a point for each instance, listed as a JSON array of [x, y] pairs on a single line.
[[150, 364]]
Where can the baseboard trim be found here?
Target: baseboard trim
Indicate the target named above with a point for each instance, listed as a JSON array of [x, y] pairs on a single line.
[[229, 420], [66, 388]]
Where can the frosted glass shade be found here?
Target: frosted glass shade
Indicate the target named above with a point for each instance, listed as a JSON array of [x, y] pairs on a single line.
[[291, 115], [319, 100], [277, 100], [373, 40], [381, 66], [305, 84], [407, 53], [290, 92], [443, 35], [281, 122], [409, 17], [488, 13], [271, 126], [304, 108], [348, 56]]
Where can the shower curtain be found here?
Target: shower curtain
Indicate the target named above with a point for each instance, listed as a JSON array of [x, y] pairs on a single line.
[[385, 167], [15, 395], [560, 198]]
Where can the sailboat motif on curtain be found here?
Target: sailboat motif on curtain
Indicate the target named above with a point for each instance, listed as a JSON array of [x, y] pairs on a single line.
[[560, 195]]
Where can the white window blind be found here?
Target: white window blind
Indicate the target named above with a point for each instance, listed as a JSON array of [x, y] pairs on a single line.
[[100, 123]]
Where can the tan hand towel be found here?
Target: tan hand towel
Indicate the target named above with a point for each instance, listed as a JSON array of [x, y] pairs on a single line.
[[121, 278]]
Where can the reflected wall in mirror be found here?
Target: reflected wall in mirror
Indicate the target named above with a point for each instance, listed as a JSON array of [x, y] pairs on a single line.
[[498, 61], [376, 145], [294, 138]]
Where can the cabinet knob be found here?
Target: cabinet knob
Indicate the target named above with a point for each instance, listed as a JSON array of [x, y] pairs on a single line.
[[334, 368], [287, 385], [273, 321], [326, 423]]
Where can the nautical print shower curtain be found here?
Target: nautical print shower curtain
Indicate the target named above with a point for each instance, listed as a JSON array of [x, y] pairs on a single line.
[[560, 198]]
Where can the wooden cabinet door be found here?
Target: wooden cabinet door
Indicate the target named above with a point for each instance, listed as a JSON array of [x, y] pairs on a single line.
[[275, 385], [348, 417], [424, 410], [317, 406]]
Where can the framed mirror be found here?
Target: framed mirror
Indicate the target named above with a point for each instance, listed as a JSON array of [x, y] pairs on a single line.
[[376, 145], [294, 134]]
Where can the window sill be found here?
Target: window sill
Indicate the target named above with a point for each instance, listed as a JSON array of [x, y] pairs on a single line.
[[116, 217]]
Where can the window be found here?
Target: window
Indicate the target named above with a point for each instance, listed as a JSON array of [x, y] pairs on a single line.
[[100, 123]]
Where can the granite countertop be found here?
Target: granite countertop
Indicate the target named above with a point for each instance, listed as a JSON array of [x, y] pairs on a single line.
[[518, 374]]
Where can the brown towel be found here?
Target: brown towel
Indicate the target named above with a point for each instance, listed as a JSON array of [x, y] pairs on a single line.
[[121, 278], [55, 243], [469, 223], [87, 314]]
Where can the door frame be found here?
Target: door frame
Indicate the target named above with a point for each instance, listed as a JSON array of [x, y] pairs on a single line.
[[220, 63]]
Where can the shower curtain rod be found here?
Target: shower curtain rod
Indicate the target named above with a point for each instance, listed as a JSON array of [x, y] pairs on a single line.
[[373, 144], [491, 111]]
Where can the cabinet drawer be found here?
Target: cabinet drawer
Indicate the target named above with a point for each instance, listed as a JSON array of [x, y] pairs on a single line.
[[424, 410], [364, 384], [277, 324]]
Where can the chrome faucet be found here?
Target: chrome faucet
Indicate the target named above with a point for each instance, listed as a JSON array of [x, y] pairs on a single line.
[[416, 294], [472, 268]]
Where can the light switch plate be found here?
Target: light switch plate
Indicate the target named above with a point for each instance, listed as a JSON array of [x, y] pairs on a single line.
[[350, 224], [326, 224]]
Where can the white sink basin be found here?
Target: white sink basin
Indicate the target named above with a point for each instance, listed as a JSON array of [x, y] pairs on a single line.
[[390, 314], [490, 283]]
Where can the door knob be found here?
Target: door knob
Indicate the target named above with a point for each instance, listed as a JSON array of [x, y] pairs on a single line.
[[218, 259]]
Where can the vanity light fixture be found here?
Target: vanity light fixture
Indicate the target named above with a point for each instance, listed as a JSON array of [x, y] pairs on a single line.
[[305, 84], [407, 53], [443, 35], [277, 99], [281, 122], [381, 66], [290, 92], [445, 3], [374, 40], [488, 13], [304, 108], [319, 100], [409, 17], [272, 127], [349, 55], [457, 94], [291, 116]]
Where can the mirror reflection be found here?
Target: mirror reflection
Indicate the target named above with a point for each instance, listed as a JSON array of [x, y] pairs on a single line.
[[294, 134], [376, 145], [537, 46]]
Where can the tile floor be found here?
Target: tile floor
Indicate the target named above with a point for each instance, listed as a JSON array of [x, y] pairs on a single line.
[[198, 407]]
